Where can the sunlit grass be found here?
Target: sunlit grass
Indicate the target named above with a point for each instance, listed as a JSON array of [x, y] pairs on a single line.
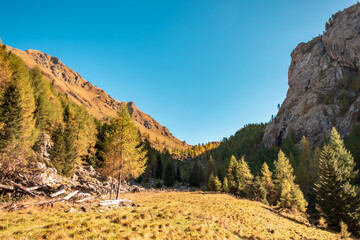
[[165, 215]]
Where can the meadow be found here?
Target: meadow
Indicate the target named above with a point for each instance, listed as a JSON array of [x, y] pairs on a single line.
[[162, 215]]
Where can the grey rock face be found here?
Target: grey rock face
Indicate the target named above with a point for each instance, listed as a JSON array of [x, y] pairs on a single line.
[[320, 93]]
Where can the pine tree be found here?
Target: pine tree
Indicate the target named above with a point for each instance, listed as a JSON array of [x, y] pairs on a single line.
[[124, 155], [169, 175], [288, 193], [336, 197]]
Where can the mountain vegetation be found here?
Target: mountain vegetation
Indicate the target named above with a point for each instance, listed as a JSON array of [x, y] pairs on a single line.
[[298, 162]]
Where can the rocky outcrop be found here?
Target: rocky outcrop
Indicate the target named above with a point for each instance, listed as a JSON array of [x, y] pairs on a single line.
[[96, 101], [324, 84]]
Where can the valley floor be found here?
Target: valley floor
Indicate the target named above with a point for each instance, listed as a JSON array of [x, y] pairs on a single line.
[[164, 215]]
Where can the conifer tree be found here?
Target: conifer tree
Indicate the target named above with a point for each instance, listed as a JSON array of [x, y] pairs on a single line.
[[213, 183], [178, 174], [267, 182], [58, 151], [124, 155], [305, 172], [337, 199], [48, 109], [11, 116], [288, 193], [70, 151], [260, 191], [169, 175], [210, 167], [20, 76], [196, 176], [159, 168], [246, 178], [225, 186], [233, 175]]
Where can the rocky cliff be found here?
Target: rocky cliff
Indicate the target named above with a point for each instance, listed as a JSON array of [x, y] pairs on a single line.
[[324, 84], [95, 100]]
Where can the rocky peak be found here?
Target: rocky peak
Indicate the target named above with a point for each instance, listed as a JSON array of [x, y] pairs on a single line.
[[96, 101], [324, 84]]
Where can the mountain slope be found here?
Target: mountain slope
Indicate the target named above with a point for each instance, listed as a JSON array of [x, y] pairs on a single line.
[[96, 101], [324, 84]]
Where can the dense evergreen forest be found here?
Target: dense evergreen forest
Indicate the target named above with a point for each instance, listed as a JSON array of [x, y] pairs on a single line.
[[321, 181]]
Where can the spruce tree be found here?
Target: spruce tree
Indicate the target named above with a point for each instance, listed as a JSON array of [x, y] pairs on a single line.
[[287, 192], [169, 175], [196, 176], [70, 151], [11, 116], [159, 168], [178, 174], [337, 199], [58, 151]]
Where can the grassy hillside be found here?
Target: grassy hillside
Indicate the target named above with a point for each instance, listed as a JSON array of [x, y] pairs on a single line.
[[165, 215]]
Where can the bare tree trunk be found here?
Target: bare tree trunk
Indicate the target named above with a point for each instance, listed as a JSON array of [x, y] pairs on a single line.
[[111, 186], [118, 187]]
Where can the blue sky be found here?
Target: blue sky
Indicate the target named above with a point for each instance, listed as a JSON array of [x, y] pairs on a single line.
[[201, 68]]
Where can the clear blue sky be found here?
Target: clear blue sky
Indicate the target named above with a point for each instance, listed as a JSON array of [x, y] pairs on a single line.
[[202, 68]]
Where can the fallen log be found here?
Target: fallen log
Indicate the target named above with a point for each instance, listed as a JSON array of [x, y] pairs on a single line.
[[18, 186], [85, 199], [58, 193], [5, 187], [71, 195], [114, 202]]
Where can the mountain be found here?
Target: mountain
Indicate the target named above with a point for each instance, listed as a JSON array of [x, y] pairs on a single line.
[[324, 84], [96, 101]]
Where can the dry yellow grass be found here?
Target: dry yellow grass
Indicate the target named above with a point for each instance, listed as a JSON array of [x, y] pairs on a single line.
[[165, 215]]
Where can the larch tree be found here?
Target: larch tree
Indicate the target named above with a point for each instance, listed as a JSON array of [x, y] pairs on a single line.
[[225, 186], [232, 175], [288, 193], [124, 155], [337, 199], [267, 182], [246, 178]]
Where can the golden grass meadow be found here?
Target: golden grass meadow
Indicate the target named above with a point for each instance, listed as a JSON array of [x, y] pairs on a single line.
[[162, 215]]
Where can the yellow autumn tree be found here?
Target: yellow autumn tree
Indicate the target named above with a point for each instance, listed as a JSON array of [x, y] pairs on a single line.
[[124, 155]]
